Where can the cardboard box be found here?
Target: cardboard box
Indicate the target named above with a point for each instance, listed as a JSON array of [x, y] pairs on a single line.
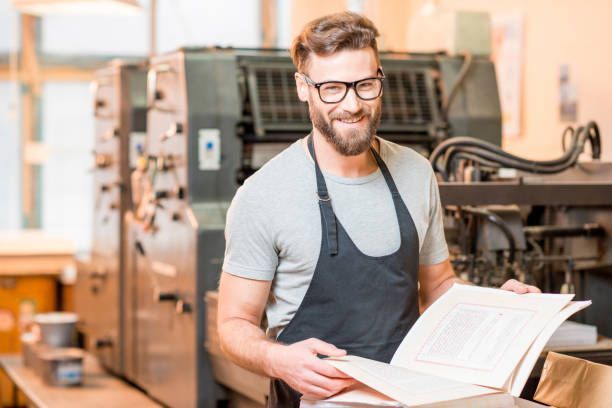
[[573, 382]]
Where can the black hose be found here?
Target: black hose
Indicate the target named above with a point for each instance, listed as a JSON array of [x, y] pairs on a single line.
[[592, 131], [532, 167], [470, 141], [487, 154], [500, 223], [567, 131], [467, 156]]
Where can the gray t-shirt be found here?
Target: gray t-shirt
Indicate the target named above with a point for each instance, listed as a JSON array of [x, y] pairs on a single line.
[[273, 229]]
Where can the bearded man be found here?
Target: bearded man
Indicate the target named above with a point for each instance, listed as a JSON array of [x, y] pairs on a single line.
[[339, 238]]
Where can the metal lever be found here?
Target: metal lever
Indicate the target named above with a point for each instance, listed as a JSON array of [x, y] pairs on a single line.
[[174, 193], [97, 276], [180, 306], [104, 342], [111, 133], [99, 103], [98, 273], [153, 94], [174, 129], [166, 297]]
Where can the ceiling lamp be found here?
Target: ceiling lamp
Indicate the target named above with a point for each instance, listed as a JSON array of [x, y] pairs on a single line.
[[77, 7]]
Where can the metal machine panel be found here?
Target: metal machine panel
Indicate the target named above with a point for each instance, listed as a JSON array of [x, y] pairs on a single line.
[[120, 122], [589, 184], [475, 111], [177, 248], [411, 102], [567, 220]]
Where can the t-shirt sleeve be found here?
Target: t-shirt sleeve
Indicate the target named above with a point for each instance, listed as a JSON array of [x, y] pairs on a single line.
[[249, 245], [434, 249]]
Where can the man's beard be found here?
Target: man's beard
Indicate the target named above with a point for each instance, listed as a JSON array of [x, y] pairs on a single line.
[[348, 142]]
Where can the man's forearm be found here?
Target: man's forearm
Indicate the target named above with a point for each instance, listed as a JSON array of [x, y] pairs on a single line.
[[427, 299], [446, 285], [247, 345]]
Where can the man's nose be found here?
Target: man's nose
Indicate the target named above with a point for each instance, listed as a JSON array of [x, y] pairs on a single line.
[[351, 102]]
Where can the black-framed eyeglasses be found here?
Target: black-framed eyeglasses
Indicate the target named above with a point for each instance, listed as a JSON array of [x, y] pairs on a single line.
[[335, 91]]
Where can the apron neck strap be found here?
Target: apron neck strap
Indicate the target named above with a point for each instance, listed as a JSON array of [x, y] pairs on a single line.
[[327, 212]]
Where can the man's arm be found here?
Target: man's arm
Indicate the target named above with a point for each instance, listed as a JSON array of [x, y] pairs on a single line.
[[240, 309], [436, 279], [241, 305]]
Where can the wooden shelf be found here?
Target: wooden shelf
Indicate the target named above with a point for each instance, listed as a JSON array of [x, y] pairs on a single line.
[[99, 388]]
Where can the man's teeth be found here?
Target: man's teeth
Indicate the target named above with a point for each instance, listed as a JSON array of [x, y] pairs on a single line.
[[351, 121]]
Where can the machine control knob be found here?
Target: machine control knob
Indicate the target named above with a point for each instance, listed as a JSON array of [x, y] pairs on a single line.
[[103, 160], [158, 95], [111, 133], [183, 307], [164, 163]]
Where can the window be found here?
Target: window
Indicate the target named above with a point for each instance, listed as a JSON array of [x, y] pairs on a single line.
[[10, 157], [67, 131]]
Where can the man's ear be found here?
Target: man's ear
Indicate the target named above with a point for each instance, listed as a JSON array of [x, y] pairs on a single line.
[[302, 87]]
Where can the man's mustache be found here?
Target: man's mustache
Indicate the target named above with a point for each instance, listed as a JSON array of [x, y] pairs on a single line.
[[349, 116]]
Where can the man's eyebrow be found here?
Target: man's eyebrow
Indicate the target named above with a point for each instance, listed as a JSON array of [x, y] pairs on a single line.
[[375, 75]]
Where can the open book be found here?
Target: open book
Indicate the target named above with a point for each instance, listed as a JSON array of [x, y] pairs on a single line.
[[472, 341]]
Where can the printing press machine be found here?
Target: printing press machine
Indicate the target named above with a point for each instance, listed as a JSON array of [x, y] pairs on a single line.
[[546, 223], [120, 125], [213, 116]]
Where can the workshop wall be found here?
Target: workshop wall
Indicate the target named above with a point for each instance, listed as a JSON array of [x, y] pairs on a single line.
[[558, 32], [555, 33]]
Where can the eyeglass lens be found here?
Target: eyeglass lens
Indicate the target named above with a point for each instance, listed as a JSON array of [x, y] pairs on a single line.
[[366, 89]]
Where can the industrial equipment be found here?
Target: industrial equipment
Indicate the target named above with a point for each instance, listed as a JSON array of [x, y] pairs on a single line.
[[214, 117], [120, 123], [544, 222]]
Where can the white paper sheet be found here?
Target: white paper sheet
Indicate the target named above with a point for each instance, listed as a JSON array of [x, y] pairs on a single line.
[[467, 344], [476, 334], [363, 395], [406, 386], [523, 370]]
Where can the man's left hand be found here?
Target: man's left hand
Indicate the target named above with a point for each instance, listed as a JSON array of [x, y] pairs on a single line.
[[519, 287]]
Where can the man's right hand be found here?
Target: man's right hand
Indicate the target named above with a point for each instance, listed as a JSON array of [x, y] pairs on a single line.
[[298, 365]]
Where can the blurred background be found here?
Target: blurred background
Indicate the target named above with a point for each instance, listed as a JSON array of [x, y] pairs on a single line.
[[47, 64], [525, 76]]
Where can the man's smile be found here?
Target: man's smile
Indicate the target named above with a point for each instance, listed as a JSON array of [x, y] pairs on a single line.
[[351, 121]]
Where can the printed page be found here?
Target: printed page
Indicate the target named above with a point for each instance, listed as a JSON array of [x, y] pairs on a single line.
[[521, 374], [477, 335], [403, 385]]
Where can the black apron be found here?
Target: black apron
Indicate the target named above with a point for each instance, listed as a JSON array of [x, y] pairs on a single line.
[[359, 303]]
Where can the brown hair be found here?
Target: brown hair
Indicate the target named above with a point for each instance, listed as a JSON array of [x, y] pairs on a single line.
[[332, 33]]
